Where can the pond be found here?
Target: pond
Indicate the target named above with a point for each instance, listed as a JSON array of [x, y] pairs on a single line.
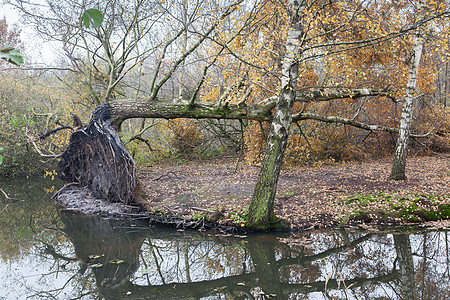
[[47, 253]]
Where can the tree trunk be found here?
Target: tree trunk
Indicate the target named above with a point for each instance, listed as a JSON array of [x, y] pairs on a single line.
[[167, 109], [260, 213], [399, 162], [262, 252], [405, 265], [446, 86]]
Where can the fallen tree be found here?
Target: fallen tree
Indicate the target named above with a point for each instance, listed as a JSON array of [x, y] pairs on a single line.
[[97, 158]]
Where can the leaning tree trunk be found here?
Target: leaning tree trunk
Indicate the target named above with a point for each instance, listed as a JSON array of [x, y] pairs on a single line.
[[260, 212], [399, 162]]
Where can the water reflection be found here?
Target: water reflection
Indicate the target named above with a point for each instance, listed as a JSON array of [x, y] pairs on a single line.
[[161, 263], [77, 257], [112, 251]]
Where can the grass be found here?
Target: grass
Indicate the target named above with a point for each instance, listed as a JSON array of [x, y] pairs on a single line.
[[200, 216], [386, 207], [235, 218], [287, 195]]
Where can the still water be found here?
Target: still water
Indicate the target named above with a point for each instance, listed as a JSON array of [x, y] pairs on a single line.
[[51, 254]]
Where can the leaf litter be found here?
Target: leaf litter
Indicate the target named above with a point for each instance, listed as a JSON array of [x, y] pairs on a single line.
[[339, 194]]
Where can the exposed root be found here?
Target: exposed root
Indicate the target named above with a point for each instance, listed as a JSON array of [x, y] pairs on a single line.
[[81, 199], [97, 158], [164, 175]]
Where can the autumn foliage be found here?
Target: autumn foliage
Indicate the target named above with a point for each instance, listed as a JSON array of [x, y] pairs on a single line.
[[30, 107], [348, 45], [186, 136], [380, 60]]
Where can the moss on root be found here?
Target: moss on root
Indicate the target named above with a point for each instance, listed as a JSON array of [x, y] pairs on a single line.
[[275, 223]]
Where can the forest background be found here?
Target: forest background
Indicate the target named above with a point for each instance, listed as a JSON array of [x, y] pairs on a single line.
[[230, 53]]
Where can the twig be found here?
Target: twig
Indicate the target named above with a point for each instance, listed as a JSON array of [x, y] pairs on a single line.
[[167, 174], [6, 206], [31, 140], [52, 131], [203, 209], [146, 141], [242, 142], [428, 133], [9, 198], [431, 151]]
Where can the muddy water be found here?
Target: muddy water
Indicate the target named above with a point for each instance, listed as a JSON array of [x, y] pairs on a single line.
[[51, 254]]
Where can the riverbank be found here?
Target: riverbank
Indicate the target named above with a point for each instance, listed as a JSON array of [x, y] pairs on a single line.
[[336, 195]]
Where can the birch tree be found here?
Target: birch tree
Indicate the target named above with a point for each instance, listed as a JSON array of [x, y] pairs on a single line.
[[260, 211], [405, 263], [401, 150]]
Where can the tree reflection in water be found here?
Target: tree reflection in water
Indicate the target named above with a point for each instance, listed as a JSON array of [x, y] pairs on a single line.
[[132, 262]]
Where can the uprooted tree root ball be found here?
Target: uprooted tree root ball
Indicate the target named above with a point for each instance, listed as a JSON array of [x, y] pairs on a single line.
[[97, 158]]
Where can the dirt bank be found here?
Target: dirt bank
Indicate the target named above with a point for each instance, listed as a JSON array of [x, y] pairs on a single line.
[[317, 197]]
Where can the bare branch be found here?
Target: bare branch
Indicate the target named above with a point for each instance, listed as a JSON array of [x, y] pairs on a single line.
[[341, 120], [8, 198], [203, 77], [333, 94], [428, 133], [140, 138], [52, 131], [31, 140], [230, 9], [428, 148]]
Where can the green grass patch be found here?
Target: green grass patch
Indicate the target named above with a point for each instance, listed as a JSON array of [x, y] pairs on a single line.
[[385, 207], [200, 216], [236, 219]]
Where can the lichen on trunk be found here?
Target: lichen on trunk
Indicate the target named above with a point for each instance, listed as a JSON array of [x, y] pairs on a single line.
[[260, 213], [398, 171]]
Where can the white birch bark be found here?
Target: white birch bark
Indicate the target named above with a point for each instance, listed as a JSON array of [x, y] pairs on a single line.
[[399, 163], [260, 213], [405, 263]]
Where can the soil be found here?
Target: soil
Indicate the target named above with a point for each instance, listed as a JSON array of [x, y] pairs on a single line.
[[73, 197], [313, 197]]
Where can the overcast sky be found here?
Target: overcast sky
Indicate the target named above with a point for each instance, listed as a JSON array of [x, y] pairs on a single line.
[[35, 50], [10, 14]]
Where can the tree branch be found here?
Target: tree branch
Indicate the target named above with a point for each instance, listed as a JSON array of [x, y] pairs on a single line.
[[230, 9], [31, 140], [9, 198], [333, 94], [52, 131]]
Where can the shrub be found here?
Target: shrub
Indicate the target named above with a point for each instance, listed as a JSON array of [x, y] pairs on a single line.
[[186, 136], [435, 118], [31, 106]]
